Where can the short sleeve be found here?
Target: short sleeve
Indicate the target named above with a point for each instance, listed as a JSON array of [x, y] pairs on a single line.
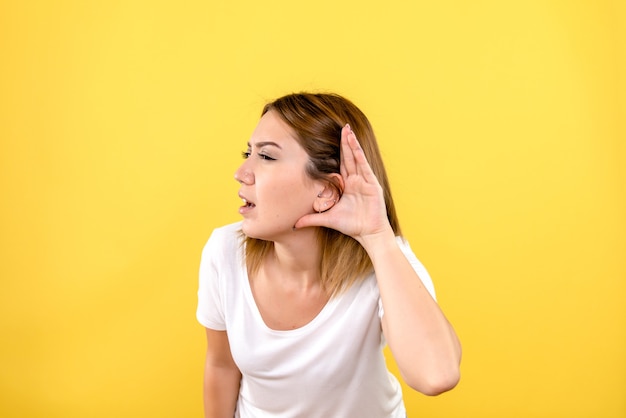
[[417, 266], [210, 312]]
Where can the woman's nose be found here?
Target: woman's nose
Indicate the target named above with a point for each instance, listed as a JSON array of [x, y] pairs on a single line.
[[243, 175]]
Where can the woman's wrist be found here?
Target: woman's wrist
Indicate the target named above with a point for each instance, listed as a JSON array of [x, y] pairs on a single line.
[[378, 243]]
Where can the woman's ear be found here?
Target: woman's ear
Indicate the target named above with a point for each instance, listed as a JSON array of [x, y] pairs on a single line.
[[329, 195]]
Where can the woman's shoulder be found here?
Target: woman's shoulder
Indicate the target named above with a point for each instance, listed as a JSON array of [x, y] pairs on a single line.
[[225, 239], [417, 265], [230, 230]]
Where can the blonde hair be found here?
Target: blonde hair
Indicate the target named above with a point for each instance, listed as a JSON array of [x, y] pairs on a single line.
[[317, 120]]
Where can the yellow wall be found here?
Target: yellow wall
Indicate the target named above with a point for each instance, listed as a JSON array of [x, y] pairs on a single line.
[[502, 123]]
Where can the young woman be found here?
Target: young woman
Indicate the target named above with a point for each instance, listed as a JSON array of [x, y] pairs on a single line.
[[300, 297]]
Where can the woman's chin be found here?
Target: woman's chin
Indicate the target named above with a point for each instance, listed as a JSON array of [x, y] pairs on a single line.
[[251, 231]]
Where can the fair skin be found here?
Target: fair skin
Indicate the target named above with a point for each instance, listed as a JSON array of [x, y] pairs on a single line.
[[283, 205]]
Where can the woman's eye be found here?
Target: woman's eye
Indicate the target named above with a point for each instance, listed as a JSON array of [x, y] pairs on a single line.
[[247, 154]]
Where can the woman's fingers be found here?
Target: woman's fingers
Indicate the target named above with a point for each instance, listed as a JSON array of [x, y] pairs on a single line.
[[362, 166], [348, 163], [313, 219]]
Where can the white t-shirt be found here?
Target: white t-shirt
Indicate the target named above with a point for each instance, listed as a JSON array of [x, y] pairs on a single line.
[[333, 367]]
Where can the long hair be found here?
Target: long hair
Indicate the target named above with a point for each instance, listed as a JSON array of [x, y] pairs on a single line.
[[317, 120]]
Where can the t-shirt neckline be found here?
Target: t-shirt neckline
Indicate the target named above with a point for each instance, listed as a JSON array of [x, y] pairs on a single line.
[[326, 310]]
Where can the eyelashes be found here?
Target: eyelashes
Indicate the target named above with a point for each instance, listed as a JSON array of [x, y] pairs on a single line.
[[247, 154]]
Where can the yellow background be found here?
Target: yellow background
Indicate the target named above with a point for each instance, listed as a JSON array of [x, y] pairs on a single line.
[[503, 128]]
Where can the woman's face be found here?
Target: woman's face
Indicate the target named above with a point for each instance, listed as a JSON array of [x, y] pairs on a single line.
[[274, 186]]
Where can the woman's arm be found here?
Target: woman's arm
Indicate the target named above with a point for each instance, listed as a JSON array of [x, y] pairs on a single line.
[[423, 342], [221, 377], [421, 339]]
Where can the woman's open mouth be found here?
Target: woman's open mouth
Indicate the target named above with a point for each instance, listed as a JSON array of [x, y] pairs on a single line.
[[247, 206]]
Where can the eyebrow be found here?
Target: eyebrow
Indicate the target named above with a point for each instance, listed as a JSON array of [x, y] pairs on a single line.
[[265, 143]]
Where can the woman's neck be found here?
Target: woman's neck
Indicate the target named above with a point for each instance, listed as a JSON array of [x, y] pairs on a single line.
[[296, 259]]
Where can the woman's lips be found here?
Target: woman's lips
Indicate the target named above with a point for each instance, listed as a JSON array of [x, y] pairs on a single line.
[[247, 206]]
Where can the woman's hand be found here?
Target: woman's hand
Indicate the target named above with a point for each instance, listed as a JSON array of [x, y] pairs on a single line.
[[360, 211]]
